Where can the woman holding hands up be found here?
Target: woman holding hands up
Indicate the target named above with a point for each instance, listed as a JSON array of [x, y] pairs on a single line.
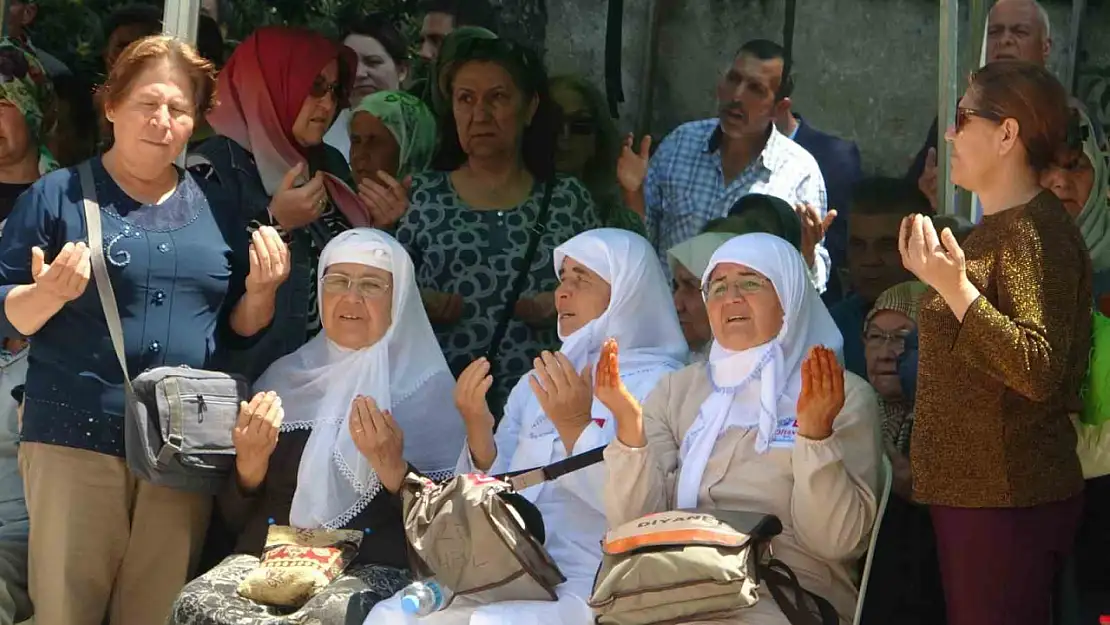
[[1004, 341], [771, 424], [611, 291]]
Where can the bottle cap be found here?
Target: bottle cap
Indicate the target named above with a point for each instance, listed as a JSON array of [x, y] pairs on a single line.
[[410, 604]]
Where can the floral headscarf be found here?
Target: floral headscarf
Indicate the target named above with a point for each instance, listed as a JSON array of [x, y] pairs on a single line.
[[410, 122], [897, 424], [24, 83]]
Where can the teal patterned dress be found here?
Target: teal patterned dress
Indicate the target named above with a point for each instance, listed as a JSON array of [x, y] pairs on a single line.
[[477, 254]]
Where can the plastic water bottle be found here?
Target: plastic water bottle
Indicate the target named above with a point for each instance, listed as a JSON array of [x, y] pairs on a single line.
[[423, 598]]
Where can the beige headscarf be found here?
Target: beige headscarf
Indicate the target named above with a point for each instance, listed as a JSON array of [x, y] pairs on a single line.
[[898, 415]]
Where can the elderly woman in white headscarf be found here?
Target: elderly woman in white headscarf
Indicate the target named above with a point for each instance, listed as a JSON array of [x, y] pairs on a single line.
[[328, 441], [771, 424], [612, 292]]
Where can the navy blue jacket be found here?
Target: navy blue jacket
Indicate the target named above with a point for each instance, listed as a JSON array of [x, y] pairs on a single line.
[[839, 161]]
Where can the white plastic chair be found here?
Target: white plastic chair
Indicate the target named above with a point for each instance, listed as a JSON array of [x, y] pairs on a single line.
[[888, 480]]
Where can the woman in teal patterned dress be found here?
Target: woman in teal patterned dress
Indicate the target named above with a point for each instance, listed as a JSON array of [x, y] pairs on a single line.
[[470, 222]]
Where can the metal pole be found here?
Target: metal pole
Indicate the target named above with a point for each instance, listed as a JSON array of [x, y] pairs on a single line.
[[948, 68], [180, 20], [1070, 71], [4, 17]]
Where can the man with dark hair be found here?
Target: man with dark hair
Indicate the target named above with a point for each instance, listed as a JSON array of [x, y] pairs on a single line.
[[441, 17], [703, 167], [127, 25], [21, 15], [874, 264]]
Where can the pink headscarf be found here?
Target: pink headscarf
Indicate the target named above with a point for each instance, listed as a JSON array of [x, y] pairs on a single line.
[[261, 91]]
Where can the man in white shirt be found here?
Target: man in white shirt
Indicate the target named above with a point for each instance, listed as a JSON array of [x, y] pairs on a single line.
[[703, 167]]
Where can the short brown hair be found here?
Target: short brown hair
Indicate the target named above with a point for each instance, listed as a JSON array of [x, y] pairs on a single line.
[[142, 53], [1030, 95]]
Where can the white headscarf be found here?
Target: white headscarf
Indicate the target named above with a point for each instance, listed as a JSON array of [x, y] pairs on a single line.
[[758, 387], [404, 372], [641, 313], [694, 253], [640, 316]]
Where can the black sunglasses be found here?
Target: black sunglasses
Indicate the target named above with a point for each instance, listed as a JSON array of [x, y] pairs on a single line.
[[964, 115], [579, 126]]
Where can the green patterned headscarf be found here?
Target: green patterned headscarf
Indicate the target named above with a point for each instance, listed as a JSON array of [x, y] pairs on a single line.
[[411, 124], [24, 83]]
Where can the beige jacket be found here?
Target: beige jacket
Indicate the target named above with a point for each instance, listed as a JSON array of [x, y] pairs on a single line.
[[826, 493]]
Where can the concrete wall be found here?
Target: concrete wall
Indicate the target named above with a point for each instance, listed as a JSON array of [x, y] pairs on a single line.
[[865, 69]]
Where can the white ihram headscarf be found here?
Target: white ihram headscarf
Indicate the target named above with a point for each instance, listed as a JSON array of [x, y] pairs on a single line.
[[403, 372], [759, 386]]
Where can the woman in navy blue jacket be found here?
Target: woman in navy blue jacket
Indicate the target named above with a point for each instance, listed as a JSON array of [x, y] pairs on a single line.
[[102, 542]]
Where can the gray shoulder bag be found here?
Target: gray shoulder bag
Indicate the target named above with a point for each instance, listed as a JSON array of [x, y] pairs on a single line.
[[178, 420]]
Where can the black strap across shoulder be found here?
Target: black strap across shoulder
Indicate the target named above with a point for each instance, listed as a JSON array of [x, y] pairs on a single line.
[[538, 228]]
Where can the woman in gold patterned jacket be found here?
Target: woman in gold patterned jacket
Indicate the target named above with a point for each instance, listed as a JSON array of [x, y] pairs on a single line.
[[1004, 341]]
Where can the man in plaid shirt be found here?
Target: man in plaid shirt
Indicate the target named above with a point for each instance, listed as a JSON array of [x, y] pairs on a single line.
[[703, 167]]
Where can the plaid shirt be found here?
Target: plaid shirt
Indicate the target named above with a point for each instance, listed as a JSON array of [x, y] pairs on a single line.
[[685, 185]]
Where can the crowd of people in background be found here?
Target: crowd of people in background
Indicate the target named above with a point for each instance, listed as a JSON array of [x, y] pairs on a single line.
[[457, 264]]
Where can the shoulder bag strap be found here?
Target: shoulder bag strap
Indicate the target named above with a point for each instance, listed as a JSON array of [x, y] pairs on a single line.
[[100, 269], [781, 578], [538, 228], [531, 477]]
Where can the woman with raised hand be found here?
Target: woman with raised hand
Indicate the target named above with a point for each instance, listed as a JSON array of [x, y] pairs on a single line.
[[611, 292], [770, 424], [331, 434]]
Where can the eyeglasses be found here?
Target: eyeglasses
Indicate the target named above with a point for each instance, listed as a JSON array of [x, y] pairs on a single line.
[[876, 338], [964, 115], [370, 288], [742, 287], [321, 88]]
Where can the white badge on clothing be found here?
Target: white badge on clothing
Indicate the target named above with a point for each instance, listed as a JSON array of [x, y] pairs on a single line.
[[785, 432]]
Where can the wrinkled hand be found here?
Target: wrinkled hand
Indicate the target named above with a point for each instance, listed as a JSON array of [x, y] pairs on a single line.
[[611, 392], [927, 182], [269, 261], [65, 279], [380, 440], [538, 311], [295, 207], [255, 436], [813, 229], [470, 397], [387, 201], [822, 396], [936, 261], [442, 308], [902, 478], [632, 167], [565, 395]]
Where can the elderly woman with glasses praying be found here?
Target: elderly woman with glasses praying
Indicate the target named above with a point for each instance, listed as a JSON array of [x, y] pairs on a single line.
[[770, 424], [331, 434]]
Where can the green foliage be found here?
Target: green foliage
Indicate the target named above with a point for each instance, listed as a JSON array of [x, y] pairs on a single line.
[[72, 29]]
